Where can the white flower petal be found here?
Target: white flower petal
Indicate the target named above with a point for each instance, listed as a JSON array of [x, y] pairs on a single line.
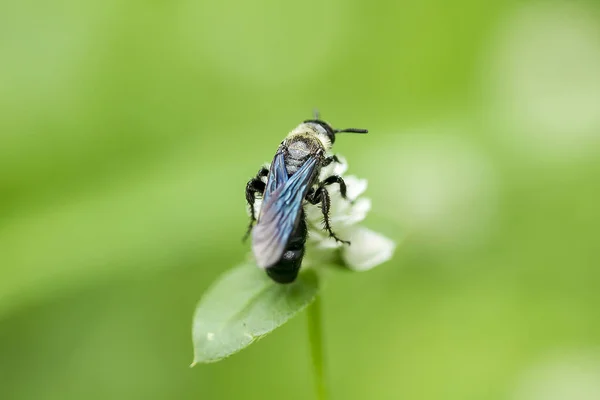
[[315, 235], [355, 186], [320, 239], [329, 243], [368, 249], [351, 213], [334, 168], [341, 167], [314, 215]]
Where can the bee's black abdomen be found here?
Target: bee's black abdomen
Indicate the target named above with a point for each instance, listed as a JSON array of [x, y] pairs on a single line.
[[286, 270]]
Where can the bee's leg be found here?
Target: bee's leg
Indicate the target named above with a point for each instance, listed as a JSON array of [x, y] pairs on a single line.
[[336, 179], [255, 185], [330, 159], [322, 196]]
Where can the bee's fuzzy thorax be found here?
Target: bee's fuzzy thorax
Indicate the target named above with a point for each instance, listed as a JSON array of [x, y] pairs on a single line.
[[313, 131]]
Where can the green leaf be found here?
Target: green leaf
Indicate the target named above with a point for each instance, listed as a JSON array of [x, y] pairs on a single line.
[[242, 306]]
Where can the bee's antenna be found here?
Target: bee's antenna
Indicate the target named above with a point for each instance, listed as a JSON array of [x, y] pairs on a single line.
[[316, 113], [351, 130]]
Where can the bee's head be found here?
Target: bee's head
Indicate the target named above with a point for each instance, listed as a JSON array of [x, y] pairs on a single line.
[[326, 129]]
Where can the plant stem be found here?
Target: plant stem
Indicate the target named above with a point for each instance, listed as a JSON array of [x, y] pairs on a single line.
[[315, 336]]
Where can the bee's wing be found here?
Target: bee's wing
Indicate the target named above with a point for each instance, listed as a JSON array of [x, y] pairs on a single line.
[[279, 215], [277, 176]]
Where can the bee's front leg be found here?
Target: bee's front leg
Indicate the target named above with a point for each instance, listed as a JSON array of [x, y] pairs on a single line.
[[254, 186], [320, 195], [339, 180], [331, 159]]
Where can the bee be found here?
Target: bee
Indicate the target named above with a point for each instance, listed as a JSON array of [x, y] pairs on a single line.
[[279, 233]]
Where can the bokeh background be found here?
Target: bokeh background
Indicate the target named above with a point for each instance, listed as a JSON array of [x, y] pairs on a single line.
[[129, 129]]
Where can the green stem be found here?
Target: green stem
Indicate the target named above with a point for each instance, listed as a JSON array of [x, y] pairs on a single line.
[[315, 335]]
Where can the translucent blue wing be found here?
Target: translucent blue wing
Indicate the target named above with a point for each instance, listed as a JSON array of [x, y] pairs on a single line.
[[279, 215], [277, 177]]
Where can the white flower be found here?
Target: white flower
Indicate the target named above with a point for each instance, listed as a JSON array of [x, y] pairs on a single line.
[[367, 249]]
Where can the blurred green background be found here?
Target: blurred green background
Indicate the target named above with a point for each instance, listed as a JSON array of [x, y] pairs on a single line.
[[129, 129]]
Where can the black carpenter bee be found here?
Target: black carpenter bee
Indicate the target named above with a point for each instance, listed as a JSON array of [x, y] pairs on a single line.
[[279, 236]]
